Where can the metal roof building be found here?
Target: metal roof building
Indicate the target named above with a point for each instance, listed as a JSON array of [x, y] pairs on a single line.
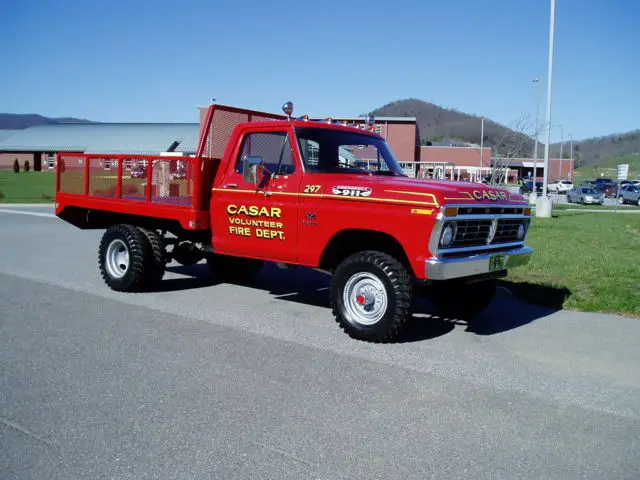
[[143, 138], [33, 143], [5, 134]]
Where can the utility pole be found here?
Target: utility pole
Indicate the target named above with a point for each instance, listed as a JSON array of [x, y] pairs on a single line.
[[544, 210], [481, 150]]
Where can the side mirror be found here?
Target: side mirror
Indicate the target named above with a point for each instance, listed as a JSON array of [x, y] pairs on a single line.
[[250, 164]]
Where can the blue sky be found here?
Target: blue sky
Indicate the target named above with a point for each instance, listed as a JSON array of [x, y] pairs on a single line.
[[157, 61]]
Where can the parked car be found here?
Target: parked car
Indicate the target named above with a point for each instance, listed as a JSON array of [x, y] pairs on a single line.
[[585, 195], [138, 172], [630, 193], [608, 189], [606, 186], [179, 174], [560, 186], [527, 187]]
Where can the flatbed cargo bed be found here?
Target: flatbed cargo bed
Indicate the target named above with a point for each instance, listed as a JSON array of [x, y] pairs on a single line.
[[167, 187]]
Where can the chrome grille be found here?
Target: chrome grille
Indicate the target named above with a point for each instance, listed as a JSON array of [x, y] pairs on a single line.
[[471, 233], [475, 233], [507, 230]]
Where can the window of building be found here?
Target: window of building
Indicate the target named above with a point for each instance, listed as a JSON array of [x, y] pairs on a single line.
[[273, 147], [51, 160]]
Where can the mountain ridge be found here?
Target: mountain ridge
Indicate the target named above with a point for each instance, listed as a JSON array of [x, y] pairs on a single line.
[[447, 126]]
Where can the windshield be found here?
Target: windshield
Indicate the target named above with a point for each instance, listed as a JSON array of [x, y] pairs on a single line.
[[334, 151], [590, 191]]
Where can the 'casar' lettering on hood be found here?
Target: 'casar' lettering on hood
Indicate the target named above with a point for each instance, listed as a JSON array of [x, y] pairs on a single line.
[[492, 195]]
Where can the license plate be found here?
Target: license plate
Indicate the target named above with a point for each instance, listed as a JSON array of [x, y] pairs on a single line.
[[497, 262]]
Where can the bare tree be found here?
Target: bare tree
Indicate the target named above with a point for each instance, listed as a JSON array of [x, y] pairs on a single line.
[[512, 144]]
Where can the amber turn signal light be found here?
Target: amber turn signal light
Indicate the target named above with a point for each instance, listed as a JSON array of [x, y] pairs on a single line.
[[450, 212]]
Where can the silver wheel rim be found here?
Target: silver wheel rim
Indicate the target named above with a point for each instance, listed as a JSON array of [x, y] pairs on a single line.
[[365, 298], [117, 261]]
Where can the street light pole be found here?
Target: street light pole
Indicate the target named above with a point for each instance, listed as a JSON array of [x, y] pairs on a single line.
[[544, 210], [481, 150], [571, 163], [535, 144], [561, 148], [571, 145]]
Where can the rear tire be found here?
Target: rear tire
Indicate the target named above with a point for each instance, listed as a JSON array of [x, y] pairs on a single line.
[[462, 301], [370, 296], [229, 269], [158, 261], [123, 258]]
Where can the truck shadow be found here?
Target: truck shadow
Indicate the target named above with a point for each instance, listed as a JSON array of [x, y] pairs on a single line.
[[310, 287]]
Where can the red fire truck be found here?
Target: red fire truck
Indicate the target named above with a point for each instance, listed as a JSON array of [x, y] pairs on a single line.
[[267, 187]]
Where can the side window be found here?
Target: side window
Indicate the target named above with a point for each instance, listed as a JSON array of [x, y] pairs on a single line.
[[273, 147], [310, 152]]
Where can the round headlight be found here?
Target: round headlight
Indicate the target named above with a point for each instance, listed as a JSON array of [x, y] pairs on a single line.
[[521, 232], [448, 234]]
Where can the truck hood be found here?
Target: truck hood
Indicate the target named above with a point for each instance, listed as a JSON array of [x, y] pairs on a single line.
[[420, 191]]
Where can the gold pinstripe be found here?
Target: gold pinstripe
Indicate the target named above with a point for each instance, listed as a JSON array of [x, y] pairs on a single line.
[[433, 197], [342, 197]]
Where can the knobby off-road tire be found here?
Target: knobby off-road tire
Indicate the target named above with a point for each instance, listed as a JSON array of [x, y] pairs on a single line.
[[123, 258], [157, 261], [370, 296], [229, 269], [461, 301]]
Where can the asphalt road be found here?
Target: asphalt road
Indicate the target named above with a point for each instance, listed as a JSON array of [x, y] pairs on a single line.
[[219, 381]]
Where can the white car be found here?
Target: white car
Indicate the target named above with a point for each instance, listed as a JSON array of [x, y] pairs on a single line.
[[560, 186]]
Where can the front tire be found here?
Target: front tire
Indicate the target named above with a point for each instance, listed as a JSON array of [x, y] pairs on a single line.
[[123, 258], [370, 296]]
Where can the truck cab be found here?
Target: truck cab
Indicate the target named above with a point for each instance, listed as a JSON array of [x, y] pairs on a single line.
[[271, 188]]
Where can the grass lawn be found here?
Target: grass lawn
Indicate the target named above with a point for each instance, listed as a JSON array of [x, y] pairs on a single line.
[[39, 187], [577, 206], [583, 261], [27, 187]]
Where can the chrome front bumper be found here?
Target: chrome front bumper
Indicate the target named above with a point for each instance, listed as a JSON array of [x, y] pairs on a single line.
[[447, 268]]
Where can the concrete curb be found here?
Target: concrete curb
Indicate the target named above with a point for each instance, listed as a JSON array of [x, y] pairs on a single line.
[[26, 205]]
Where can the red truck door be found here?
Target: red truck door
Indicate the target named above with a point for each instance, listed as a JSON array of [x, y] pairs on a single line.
[[259, 220]]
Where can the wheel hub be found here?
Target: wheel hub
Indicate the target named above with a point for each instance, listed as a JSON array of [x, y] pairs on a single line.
[[365, 298], [117, 262]]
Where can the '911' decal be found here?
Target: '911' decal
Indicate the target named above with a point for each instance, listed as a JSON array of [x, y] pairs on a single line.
[[349, 191]]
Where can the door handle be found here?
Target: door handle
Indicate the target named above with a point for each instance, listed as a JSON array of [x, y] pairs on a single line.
[[231, 185]]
